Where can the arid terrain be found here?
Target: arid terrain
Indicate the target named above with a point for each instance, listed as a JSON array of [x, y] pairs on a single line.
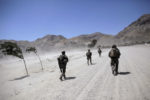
[[93, 82]]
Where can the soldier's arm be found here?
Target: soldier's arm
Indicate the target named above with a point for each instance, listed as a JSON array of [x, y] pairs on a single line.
[[58, 59], [67, 59], [119, 54], [109, 54], [86, 54]]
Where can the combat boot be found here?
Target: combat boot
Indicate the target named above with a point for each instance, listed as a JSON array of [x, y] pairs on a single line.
[[61, 78]]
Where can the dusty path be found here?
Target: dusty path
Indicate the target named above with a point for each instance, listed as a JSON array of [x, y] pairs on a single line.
[[94, 82]]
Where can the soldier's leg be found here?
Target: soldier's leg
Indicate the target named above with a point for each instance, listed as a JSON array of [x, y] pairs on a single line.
[[100, 54], [111, 62], [88, 61], [117, 62], [116, 66], [113, 66], [115, 69], [61, 74], [60, 69], [64, 72], [91, 61]]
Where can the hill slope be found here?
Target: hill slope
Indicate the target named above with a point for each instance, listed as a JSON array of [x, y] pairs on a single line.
[[138, 31]]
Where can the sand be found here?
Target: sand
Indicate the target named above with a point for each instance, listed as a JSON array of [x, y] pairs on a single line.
[[93, 82]]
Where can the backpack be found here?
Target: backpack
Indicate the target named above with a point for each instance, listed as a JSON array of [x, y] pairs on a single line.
[[114, 53]]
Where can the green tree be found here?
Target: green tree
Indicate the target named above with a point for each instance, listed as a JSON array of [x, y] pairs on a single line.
[[93, 43], [99, 46], [33, 49], [10, 48]]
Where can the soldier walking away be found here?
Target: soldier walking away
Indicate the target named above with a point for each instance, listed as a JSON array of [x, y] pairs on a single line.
[[89, 57], [114, 54], [62, 62], [99, 52]]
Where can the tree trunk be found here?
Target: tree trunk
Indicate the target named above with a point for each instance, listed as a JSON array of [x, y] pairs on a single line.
[[40, 61], [25, 66]]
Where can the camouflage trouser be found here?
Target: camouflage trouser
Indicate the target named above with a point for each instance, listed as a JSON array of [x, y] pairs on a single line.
[[89, 60], [99, 53], [63, 71], [114, 65]]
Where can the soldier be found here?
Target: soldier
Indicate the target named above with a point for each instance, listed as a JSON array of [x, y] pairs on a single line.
[[62, 61], [114, 54], [99, 51], [89, 56]]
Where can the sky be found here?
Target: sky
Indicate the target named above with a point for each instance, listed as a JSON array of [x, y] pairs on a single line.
[[32, 19]]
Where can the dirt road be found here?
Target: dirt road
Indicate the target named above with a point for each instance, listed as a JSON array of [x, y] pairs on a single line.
[[94, 82]]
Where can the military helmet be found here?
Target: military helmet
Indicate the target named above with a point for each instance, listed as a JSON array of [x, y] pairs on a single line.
[[114, 46], [63, 52]]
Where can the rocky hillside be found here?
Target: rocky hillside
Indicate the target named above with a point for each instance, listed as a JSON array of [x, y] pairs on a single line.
[[138, 31], [48, 42], [102, 39]]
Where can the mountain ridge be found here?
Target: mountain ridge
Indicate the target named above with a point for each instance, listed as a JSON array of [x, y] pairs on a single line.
[[136, 32]]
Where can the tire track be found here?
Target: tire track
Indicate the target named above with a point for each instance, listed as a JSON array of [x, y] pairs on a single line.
[[84, 93], [141, 84]]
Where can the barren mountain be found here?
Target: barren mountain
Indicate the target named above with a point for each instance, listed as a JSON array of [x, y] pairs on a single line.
[[48, 42], [138, 31], [85, 39], [53, 42]]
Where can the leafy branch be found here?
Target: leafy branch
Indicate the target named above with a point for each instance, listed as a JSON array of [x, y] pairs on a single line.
[[33, 49], [10, 48]]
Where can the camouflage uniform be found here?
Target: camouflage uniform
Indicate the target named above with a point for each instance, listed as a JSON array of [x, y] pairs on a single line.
[[89, 57], [115, 61], [99, 51], [62, 61]]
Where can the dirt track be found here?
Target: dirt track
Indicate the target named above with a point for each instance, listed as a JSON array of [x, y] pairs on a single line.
[[94, 82]]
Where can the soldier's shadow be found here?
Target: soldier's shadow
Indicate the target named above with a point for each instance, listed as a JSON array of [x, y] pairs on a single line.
[[70, 78], [124, 73], [93, 64]]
